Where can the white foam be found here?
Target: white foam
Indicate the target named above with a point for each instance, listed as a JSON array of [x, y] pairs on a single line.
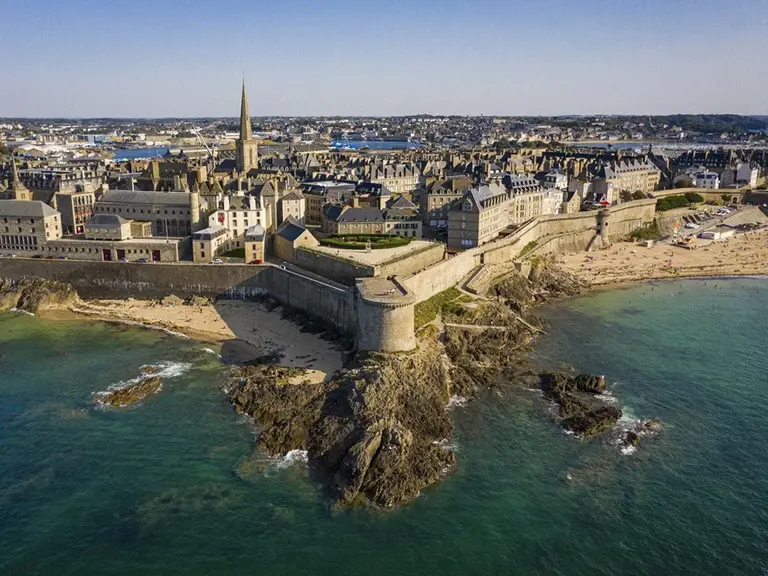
[[608, 398], [291, 458], [21, 312], [446, 445], [209, 351], [456, 402], [628, 450], [165, 369]]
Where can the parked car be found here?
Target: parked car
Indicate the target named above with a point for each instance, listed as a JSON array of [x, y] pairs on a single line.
[[692, 226], [123, 260], [218, 261], [142, 260]]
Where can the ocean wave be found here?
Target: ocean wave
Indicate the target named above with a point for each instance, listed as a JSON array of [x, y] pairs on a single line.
[[446, 444], [164, 369], [17, 311], [292, 458], [209, 351], [456, 402]]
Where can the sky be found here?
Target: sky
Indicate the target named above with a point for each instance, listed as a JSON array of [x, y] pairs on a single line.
[[187, 58]]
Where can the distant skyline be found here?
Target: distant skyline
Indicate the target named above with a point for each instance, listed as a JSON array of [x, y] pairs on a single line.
[[87, 58]]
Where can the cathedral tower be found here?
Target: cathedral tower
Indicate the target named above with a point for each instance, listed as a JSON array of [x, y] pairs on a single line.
[[246, 147]]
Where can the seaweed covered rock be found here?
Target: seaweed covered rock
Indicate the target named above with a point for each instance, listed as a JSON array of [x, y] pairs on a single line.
[[35, 295]]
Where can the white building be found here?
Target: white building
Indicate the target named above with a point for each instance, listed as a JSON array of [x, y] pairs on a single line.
[[708, 180], [556, 179], [237, 213]]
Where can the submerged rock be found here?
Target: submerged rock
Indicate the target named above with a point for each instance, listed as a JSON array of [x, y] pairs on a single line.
[[132, 393], [34, 295]]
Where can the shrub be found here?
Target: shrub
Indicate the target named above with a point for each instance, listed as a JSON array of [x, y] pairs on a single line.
[[671, 202], [360, 241], [637, 195], [528, 248], [694, 198]]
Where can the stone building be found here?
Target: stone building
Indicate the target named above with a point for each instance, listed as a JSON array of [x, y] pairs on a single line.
[[255, 240], [172, 214], [625, 176], [108, 227], [435, 200], [292, 205], [76, 208], [479, 217], [290, 236], [26, 226], [238, 212], [209, 243], [398, 178]]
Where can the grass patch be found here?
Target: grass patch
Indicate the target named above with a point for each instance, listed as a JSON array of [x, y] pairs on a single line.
[[648, 232], [425, 312], [236, 253], [360, 241], [528, 248]]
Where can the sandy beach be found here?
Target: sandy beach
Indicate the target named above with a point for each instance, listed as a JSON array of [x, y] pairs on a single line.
[[745, 254], [244, 330]]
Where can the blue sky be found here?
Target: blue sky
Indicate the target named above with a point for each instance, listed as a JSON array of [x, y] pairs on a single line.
[[88, 58]]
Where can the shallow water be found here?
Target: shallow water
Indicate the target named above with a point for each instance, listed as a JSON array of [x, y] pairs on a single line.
[[171, 486]]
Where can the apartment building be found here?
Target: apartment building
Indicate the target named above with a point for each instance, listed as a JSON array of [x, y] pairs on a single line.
[[237, 213], [631, 176], [479, 217], [435, 200], [172, 214], [398, 178], [26, 226]]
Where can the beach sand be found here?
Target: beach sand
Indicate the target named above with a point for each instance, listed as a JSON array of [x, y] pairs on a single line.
[[244, 330], [745, 254]]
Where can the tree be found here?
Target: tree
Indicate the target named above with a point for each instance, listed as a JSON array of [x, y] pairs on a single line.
[[684, 183], [637, 195], [625, 195], [725, 197]]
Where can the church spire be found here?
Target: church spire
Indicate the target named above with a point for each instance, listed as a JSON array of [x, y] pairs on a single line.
[[18, 190], [245, 117]]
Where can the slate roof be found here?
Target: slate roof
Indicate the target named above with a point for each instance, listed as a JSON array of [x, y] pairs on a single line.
[[140, 197], [361, 215], [401, 202], [26, 209], [107, 220], [255, 233], [290, 230]]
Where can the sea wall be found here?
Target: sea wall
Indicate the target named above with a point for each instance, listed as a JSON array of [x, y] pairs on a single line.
[[324, 300], [556, 233]]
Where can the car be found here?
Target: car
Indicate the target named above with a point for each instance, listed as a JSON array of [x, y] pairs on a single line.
[[217, 261], [142, 260], [123, 260], [692, 226]]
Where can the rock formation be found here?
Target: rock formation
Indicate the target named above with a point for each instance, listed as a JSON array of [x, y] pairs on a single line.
[[35, 295], [579, 411], [132, 393], [373, 433]]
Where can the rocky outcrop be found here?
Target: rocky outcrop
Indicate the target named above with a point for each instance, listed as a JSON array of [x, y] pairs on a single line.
[[374, 433], [579, 411], [132, 393], [34, 295]]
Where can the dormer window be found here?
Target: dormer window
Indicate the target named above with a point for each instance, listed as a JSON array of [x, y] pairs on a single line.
[[467, 206]]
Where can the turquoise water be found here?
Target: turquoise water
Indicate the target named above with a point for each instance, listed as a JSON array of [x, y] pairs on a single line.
[[134, 153], [171, 486]]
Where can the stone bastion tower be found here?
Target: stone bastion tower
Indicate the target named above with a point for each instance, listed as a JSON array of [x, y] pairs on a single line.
[[385, 315]]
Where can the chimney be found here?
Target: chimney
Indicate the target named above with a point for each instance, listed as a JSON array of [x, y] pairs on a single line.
[[177, 182]]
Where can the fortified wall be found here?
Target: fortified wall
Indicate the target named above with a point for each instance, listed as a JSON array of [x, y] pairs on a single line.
[[553, 233], [378, 311]]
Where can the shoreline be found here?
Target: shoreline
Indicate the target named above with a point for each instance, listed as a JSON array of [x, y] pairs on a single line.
[[243, 331]]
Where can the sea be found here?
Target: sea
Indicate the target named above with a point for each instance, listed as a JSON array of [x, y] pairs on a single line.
[[173, 486], [139, 153], [375, 145]]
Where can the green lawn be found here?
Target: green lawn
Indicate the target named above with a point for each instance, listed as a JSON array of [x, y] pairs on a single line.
[[360, 241], [236, 253]]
